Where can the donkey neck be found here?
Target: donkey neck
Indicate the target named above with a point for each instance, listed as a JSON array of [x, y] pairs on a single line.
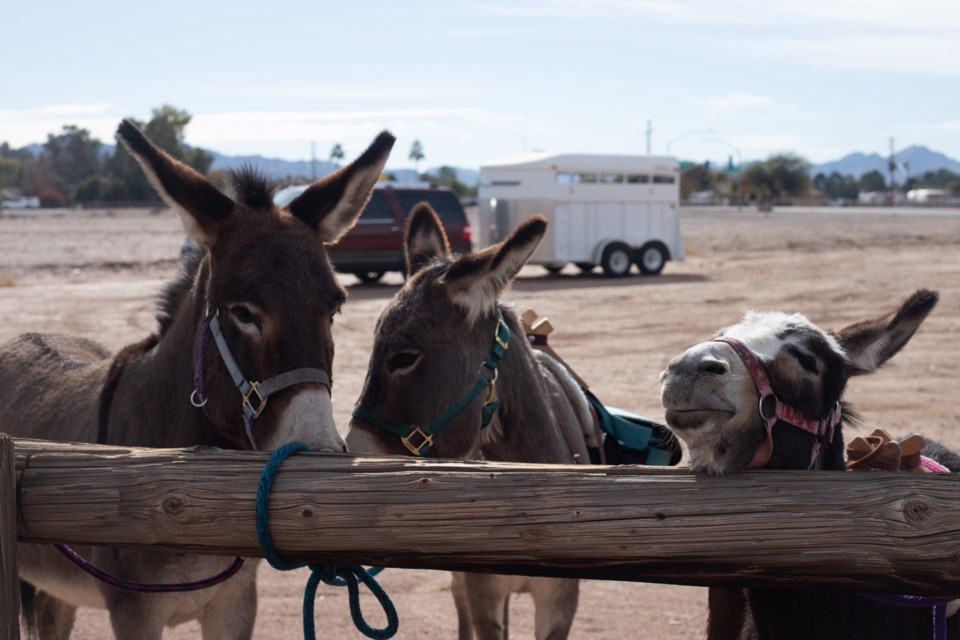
[[532, 411], [150, 405]]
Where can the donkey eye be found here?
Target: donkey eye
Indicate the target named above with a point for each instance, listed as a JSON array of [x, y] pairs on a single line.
[[402, 360], [807, 362], [243, 315]]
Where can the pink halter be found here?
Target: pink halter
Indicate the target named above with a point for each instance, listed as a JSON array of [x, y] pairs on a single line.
[[822, 428]]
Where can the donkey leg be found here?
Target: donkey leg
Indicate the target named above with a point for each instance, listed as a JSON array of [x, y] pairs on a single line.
[[134, 619], [55, 617], [458, 588], [230, 615], [556, 605], [487, 596]]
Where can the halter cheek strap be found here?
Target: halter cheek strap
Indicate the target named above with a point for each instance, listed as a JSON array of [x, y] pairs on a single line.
[[419, 440], [822, 429], [255, 394]]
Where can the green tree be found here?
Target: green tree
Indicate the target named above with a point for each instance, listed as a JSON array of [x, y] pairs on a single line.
[[873, 181], [10, 170], [337, 154], [447, 177], [778, 176], [416, 154], [73, 156]]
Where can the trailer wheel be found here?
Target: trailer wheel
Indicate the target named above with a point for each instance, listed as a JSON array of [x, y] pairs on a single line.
[[651, 258], [554, 269], [585, 267], [616, 260]]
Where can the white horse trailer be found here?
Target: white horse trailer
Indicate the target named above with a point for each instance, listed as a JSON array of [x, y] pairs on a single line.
[[612, 211]]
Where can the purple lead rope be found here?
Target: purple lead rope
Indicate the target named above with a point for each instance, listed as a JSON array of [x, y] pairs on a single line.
[[127, 585], [939, 609], [939, 605], [198, 398]]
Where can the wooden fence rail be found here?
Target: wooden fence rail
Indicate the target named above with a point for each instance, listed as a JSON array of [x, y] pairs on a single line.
[[880, 532]]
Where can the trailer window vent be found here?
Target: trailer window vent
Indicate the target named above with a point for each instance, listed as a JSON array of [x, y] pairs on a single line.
[[504, 183]]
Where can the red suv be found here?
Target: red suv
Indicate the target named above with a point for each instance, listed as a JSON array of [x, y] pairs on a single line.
[[375, 245]]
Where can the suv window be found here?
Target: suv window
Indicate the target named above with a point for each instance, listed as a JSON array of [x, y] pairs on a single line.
[[377, 208], [445, 203]]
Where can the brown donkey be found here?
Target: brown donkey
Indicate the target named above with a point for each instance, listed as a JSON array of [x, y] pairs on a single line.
[[248, 317], [448, 356]]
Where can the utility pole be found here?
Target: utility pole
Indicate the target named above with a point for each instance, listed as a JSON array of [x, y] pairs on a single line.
[[891, 167], [649, 134]]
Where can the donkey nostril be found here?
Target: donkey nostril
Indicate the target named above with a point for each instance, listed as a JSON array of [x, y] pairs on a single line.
[[716, 367]]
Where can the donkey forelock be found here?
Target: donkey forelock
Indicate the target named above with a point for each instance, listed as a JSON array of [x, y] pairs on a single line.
[[251, 187], [766, 332]]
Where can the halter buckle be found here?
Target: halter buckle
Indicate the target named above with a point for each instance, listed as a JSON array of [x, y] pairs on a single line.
[[426, 440], [260, 400], [496, 334]]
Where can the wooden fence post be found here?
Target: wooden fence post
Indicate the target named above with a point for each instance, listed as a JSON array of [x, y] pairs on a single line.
[[9, 582]]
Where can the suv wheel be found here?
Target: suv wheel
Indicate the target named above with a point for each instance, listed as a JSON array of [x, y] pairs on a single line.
[[369, 277]]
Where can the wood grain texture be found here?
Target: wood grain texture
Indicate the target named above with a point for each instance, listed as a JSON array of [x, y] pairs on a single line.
[[9, 582], [881, 532]]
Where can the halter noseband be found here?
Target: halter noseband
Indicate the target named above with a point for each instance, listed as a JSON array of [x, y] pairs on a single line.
[[255, 394], [822, 429], [419, 441]]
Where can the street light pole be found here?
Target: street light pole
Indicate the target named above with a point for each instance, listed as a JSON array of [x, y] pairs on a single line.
[[684, 135]]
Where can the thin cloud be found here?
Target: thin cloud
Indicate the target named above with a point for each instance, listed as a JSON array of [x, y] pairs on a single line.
[[737, 101], [20, 127]]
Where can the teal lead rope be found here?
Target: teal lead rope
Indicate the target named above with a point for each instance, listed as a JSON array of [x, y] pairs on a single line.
[[339, 575]]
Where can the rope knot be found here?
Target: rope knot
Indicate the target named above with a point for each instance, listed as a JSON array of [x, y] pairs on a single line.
[[329, 573]]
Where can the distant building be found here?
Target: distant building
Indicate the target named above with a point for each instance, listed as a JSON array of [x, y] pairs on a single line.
[[921, 196]]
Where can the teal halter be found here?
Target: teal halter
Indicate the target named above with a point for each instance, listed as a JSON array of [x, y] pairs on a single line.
[[419, 441]]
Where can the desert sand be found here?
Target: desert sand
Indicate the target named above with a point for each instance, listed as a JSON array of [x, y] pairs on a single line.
[[96, 273]]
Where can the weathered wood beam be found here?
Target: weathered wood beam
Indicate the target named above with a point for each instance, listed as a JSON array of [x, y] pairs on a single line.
[[9, 582], [881, 532]]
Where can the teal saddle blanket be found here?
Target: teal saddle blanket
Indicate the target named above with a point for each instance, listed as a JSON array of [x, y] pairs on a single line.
[[632, 439]]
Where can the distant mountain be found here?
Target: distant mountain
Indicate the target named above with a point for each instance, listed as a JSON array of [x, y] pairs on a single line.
[[275, 168], [914, 161], [279, 169]]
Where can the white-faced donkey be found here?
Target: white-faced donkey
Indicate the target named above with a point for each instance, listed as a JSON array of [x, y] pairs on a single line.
[[768, 393]]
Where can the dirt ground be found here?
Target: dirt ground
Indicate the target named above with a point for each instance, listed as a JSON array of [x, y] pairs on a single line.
[[96, 273]]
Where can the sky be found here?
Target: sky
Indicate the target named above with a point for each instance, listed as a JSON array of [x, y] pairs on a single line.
[[478, 81]]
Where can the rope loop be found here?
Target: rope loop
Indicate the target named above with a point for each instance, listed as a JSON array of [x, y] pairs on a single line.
[[332, 574]]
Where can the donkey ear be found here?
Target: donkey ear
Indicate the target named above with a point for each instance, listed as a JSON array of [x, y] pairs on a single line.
[[424, 238], [202, 207], [475, 281], [872, 342], [332, 205]]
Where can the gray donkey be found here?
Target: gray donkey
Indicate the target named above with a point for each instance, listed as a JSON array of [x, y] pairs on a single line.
[[449, 357], [249, 317]]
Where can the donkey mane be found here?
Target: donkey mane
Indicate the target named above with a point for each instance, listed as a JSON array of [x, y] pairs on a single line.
[[176, 291], [251, 187]]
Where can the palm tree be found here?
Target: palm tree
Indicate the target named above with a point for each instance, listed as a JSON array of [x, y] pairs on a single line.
[[336, 154], [416, 154]]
